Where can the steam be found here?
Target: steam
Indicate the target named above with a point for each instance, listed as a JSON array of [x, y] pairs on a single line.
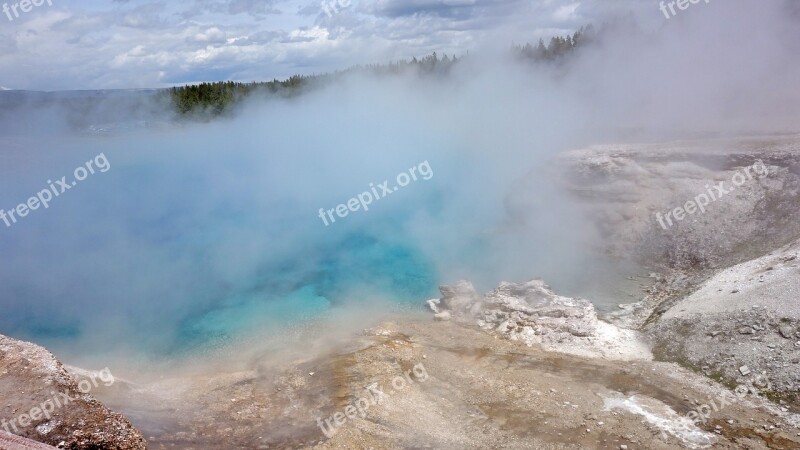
[[202, 231]]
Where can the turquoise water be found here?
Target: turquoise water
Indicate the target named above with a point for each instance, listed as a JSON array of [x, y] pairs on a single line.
[[279, 297], [165, 254], [200, 305], [199, 235]]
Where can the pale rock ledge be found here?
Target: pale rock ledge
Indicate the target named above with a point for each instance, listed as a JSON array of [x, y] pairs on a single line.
[[534, 315]]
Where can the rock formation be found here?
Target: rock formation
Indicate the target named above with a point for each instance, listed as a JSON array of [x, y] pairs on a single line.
[[535, 315], [42, 402]]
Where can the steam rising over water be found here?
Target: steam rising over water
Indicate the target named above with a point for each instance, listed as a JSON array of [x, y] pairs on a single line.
[[200, 232], [203, 231]]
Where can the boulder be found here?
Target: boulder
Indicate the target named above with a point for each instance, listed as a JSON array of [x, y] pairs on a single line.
[[461, 300], [530, 312], [42, 402]]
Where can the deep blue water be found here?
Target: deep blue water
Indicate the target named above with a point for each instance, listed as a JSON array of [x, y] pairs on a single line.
[[165, 253], [198, 234], [290, 291]]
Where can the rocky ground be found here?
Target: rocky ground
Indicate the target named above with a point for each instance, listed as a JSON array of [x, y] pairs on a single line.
[[725, 298], [43, 402], [415, 383], [745, 319], [622, 187], [10, 441]]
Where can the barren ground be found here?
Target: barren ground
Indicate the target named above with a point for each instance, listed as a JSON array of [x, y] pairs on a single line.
[[480, 392]]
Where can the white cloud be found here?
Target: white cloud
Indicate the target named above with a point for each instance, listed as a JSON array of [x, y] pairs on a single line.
[[566, 12], [143, 43]]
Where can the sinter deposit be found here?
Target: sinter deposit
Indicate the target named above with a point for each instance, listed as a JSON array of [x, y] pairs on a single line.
[[533, 314]]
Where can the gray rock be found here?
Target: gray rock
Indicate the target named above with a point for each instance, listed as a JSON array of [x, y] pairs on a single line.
[[30, 375], [459, 299], [530, 312]]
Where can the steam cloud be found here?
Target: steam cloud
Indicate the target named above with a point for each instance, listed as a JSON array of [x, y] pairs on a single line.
[[199, 230]]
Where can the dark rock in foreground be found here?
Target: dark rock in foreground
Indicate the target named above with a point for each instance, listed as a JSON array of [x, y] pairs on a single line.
[[42, 402], [11, 442]]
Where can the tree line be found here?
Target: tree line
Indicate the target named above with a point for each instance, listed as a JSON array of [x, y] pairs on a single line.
[[214, 99], [559, 47]]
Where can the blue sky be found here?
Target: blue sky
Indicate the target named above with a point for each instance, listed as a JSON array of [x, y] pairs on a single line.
[[88, 44]]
